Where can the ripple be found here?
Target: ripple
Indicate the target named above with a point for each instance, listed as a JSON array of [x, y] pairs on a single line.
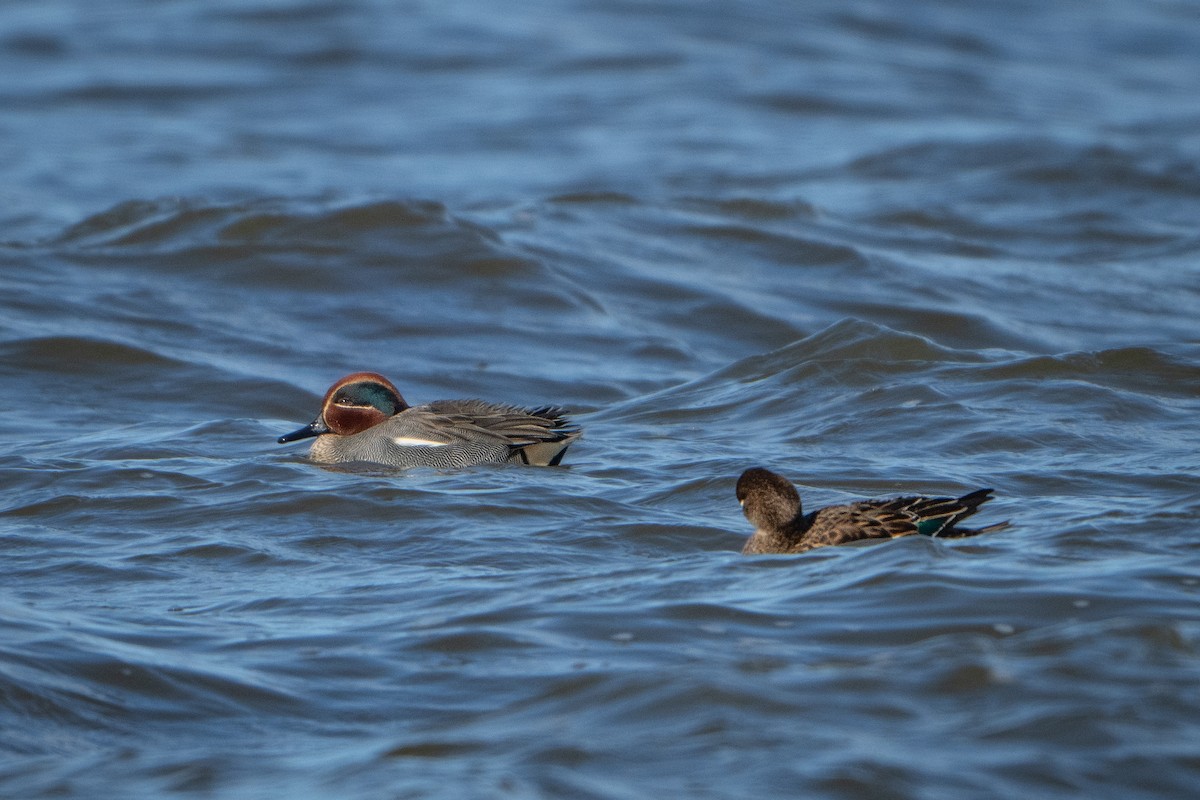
[[74, 355], [862, 248]]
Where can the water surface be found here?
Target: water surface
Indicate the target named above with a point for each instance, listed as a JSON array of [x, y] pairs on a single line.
[[913, 249]]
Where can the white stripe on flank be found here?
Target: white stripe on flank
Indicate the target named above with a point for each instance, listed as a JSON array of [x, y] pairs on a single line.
[[408, 441]]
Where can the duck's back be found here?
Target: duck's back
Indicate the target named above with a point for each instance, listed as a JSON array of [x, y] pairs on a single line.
[[456, 433], [855, 522]]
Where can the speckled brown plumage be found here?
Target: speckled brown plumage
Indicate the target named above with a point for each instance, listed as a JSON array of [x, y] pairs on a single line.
[[772, 505]]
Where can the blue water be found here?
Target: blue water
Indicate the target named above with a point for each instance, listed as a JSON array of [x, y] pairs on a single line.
[[878, 248]]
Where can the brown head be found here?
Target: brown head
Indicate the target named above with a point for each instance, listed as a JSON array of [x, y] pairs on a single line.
[[352, 405], [768, 500]]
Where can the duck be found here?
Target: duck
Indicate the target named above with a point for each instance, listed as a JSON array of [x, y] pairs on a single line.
[[772, 505], [364, 418]]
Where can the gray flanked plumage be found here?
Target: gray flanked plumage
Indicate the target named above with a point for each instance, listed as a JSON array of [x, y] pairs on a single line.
[[772, 505], [364, 418], [460, 433]]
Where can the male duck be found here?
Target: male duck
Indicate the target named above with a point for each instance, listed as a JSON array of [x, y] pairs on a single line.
[[772, 504], [364, 418]]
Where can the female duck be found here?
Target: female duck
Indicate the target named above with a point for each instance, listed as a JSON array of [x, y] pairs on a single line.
[[364, 418], [772, 504]]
